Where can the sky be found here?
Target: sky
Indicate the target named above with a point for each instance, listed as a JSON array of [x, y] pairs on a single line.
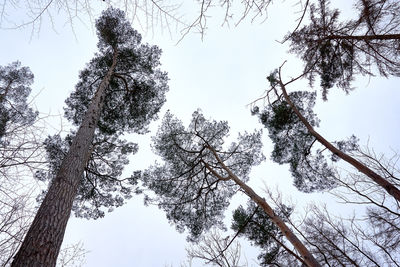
[[221, 75]]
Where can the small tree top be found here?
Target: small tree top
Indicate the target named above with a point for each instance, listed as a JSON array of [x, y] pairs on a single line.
[[114, 30], [15, 82]]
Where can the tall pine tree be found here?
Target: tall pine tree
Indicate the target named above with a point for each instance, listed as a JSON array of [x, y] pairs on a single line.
[[335, 50], [200, 175], [290, 121], [120, 90]]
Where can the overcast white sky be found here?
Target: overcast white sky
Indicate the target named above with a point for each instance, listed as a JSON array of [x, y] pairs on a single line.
[[220, 75]]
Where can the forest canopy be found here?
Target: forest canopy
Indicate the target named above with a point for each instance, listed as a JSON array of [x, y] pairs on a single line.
[[289, 159]]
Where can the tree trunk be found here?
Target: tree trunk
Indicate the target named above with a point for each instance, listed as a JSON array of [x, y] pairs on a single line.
[[297, 244], [286, 231], [43, 240], [371, 37], [389, 187]]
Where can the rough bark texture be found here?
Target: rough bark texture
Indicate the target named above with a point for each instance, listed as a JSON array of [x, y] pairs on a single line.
[[307, 257], [43, 240], [389, 187]]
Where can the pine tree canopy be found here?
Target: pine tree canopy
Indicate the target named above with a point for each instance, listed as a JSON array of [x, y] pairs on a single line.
[[15, 82], [295, 145], [133, 97], [254, 224], [335, 50], [192, 185], [137, 89]]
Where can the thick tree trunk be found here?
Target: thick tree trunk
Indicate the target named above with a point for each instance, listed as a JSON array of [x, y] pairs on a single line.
[[385, 184], [371, 37], [307, 257], [43, 240]]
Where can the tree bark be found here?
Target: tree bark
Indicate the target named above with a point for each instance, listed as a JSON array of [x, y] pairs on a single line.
[[308, 258], [43, 240], [389, 187], [363, 37], [286, 231]]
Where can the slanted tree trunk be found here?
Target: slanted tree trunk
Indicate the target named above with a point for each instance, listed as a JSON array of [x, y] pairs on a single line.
[[372, 37], [385, 184], [307, 257], [43, 240]]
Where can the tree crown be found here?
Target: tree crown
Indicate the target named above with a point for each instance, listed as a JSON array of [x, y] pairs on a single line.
[[137, 88], [294, 144], [335, 50], [15, 82], [193, 185], [254, 224], [133, 97]]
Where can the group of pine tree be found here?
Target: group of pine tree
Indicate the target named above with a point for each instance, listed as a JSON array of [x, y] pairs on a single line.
[[122, 89]]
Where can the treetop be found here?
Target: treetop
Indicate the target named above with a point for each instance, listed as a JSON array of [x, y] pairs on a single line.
[[113, 29]]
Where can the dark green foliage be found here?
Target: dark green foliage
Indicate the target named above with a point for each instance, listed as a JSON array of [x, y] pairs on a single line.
[[333, 61], [3, 120], [114, 31], [15, 82], [192, 186], [254, 224], [293, 143], [335, 65], [351, 144], [134, 96], [100, 186], [335, 50]]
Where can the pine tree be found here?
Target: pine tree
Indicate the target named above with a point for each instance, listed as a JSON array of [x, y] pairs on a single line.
[[290, 121], [15, 82], [254, 224], [120, 90], [200, 175], [295, 145], [19, 142], [336, 50]]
